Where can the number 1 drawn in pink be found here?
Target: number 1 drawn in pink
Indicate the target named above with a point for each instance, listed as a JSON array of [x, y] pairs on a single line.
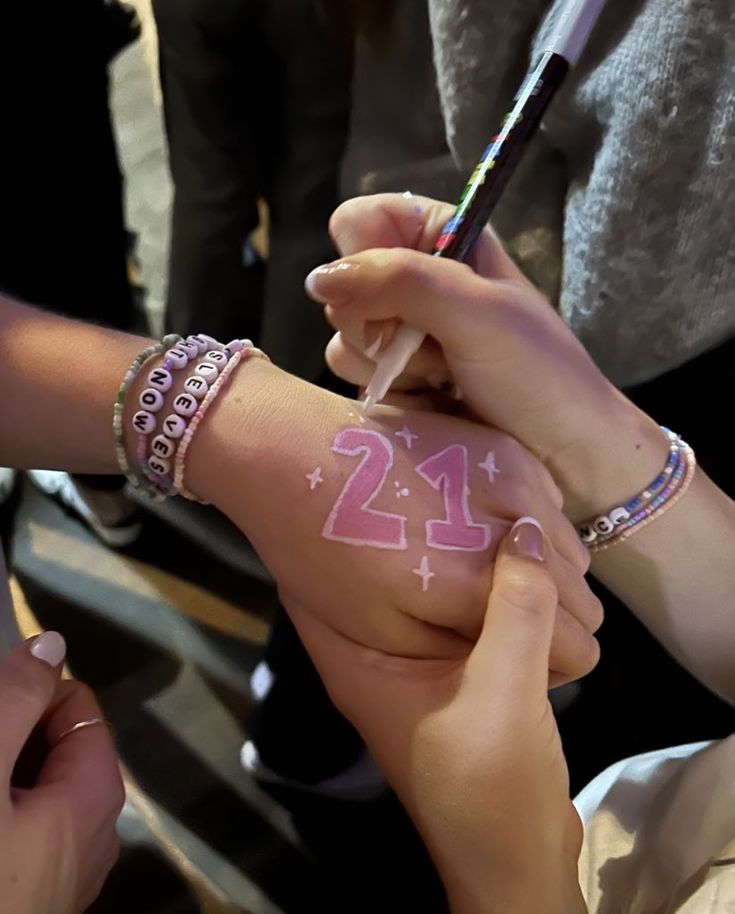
[[352, 520], [447, 471]]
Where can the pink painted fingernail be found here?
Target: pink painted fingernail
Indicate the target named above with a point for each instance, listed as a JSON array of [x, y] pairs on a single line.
[[527, 539], [49, 648]]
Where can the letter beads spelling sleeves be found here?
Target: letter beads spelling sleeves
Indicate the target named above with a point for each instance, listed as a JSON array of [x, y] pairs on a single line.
[[239, 349]]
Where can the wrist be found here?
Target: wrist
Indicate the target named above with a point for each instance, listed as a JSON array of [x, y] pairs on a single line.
[[617, 459], [240, 431]]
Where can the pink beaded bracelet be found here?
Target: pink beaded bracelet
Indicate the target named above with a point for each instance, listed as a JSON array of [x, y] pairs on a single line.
[[246, 350], [662, 493], [677, 488], [136, 481], [160, 381]]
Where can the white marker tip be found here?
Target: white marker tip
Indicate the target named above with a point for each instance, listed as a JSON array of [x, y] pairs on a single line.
[[367, 404]]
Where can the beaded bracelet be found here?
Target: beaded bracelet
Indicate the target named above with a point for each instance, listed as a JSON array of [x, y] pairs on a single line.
[[160, 382], [662, 493], [157, 466], [246, 350], [135, 480], [667, 499]]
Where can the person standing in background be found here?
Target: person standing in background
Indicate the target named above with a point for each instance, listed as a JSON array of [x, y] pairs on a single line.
[[256, 102], [63, 240]]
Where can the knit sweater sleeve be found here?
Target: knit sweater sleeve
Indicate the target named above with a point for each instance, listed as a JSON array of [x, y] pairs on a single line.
[[646, 131], [624, 209]]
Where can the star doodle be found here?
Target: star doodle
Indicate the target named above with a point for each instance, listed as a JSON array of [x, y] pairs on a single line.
[[488, 465], [424, 572], [408, 436], [315, 478]]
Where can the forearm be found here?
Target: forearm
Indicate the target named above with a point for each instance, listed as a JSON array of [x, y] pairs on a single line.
[[678, 573], [59, 380], [678, 576]]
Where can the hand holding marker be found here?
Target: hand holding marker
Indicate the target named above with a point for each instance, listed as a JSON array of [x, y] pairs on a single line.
[[567, 36]]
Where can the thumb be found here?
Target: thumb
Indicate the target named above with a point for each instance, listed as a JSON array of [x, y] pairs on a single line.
[[28, 679], [511, 657]]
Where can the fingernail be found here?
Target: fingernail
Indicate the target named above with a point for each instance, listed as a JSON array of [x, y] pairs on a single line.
[[318, 281], [372, 350], [527, 539], [50, 648]]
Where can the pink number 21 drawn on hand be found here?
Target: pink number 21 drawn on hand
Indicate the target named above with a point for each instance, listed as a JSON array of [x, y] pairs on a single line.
[[352, 520], [448, 471]]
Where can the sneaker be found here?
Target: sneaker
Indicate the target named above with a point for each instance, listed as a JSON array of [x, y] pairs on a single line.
[[358, 781], [361, 782], [110, 515], [7, 483]]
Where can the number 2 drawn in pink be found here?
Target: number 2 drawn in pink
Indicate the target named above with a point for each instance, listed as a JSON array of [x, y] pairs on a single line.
[[447, 471], [352, 520]]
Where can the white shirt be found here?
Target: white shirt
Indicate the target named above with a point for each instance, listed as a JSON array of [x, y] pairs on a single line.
[[660, 833]]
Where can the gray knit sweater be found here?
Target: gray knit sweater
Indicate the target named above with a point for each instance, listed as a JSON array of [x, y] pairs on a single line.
[[624, 209]]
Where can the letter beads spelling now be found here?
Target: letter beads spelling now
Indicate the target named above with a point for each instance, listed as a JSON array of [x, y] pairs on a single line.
[[139, 422], [161, 457]]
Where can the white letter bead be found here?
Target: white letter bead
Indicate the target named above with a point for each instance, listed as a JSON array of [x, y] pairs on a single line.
[[201, 344], [587, 534], [144, 422], [218, 358], [212, 343], [174, 426], [177, 357], [603, 525], [163, 446], [191, 349], [160, 379], [185, 405], [207, 370], [618, 516], [159, 465], [235, 346], [197, 387], [151, 399]]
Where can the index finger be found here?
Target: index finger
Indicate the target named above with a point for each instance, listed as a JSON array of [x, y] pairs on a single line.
[[85, 762], [398, 220], [28, 677]]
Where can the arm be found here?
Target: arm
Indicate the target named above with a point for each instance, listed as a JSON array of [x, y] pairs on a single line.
[[251, 458], [521, 369]]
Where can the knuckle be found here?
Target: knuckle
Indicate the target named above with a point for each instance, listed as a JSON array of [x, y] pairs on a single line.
[[591, 655], [341, 217], [403, 268], [597, 612]]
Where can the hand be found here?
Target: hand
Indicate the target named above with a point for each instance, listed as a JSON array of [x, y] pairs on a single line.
[[58, 833], [490, 332], [267, 459], [472, 747]]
